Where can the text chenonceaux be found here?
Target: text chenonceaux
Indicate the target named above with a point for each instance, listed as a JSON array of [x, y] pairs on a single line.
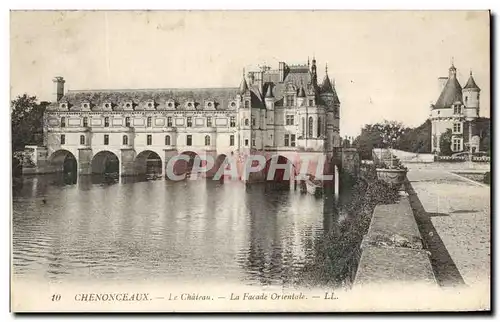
[[246, 296]]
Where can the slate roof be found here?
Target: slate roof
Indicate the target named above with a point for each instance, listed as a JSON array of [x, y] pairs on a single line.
[[452, 92], [298, 75], [221, 96], [471, 83]]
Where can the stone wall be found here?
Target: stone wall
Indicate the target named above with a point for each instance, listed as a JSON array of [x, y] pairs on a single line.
[[392, 250]]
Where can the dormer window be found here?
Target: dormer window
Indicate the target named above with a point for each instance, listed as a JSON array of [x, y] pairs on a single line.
[[107, 105], [150, 104], [233, 104], [247, 104], [170, 104], [457, 109], [128, 105], [63, 105], [190, 105], [210, 105], [85, 105]]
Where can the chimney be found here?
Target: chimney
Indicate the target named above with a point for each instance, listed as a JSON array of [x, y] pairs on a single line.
[[58, 88], [442, 82], [282, 71]]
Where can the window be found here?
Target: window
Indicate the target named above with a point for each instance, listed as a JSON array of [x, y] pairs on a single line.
[[232, 121], [289, 120], [303, 126], [457, 127], [82, 139], [106, 139], [209, 121], [85, 121], [63, 121], [253, 121], [457, 144], [189, 121], [189, 140], [247, 104], [149, 139], [466, 99], [319, 126], [310, 127], [207, 139], [167, 139], [287, 140], [292, 140], [149, 121], [290, 100], [231, 140], [169, 121], [125, 140], [311, 102], [246, 142], [106, 121], [127, 121], [63, 139], [253, 142], [457, 109], [246, 122]]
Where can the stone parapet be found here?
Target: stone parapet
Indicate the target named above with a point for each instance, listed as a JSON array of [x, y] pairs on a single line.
[[393, 250]]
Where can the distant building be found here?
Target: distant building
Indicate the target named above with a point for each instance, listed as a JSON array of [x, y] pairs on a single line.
[[282, 110], [456, 109]]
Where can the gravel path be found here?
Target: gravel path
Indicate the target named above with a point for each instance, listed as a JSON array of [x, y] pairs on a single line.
[[459, 212]]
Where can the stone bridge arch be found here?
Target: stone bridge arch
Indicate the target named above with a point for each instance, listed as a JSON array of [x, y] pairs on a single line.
[[148, 161], [63, 161], [105, 161]]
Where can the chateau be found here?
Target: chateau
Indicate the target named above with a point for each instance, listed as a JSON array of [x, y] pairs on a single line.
[[456, 109], [279, 110]]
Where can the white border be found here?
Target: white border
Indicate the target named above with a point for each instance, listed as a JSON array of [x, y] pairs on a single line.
[[204, 5]]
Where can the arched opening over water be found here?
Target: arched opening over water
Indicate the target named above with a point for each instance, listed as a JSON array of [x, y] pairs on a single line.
[[149, 163], [105, 162], [182, 166], [65, 162], [283, 174]]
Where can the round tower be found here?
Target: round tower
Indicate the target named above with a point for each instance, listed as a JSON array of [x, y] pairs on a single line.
[[471, 97]]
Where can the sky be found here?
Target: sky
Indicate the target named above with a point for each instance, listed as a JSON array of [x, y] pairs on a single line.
[[385, 64]]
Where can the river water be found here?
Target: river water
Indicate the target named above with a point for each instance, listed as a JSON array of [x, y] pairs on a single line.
[[162, 230]]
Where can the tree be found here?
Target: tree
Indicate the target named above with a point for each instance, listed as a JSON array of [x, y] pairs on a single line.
[[417, 140], [482, 128], [445, 142], [27, 121], [369, 139]]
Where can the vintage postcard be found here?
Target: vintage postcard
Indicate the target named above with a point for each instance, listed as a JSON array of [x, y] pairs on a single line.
[[250, 161]]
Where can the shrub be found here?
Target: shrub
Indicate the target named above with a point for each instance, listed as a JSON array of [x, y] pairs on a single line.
[[487, 177]]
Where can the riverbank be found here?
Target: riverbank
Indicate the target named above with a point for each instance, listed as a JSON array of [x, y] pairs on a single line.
[[340, 245]]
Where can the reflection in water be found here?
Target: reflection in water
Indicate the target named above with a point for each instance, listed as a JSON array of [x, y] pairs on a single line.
[[199, 230]]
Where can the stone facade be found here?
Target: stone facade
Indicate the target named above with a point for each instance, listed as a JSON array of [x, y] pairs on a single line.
[[275, 111], [455, 109]]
